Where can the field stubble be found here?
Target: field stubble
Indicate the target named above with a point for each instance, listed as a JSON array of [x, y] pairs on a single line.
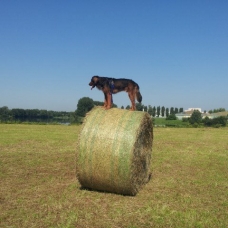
[[38, 187]]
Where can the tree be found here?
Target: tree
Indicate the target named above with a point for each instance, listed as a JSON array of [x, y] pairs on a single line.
[[217, 110], [43, 115], [84, 105], [181, 110], [163, 111], [18, 114], [196, 117], [171, 117], [98, 103], [167, 112], [158, 111], [216, 122], [154, 111], [145, 108], [128, 107], [176, 110], [220, 121], [172, 110], [139, 107], [150, 110], [207, 121], [33, 114], [4, 113], [122, 107]]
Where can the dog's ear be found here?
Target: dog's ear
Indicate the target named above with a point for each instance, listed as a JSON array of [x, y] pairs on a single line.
[[95, 79]]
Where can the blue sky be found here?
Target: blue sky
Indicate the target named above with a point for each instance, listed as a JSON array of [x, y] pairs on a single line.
[[177, 51]]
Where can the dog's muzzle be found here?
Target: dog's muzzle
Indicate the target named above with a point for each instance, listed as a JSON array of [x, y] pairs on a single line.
[[92, 85]]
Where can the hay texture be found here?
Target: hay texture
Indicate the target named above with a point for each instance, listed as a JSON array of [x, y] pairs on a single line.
[[114, 150]]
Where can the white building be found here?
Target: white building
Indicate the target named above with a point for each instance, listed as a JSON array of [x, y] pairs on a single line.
[[192, 109], [187, 113]]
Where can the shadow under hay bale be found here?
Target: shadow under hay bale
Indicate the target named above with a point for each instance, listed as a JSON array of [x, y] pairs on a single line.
[[114, 150]]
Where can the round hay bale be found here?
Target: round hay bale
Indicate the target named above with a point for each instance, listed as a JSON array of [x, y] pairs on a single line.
[[114, 150]]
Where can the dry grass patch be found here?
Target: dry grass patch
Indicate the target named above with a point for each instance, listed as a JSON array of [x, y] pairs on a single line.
[[189, 186]]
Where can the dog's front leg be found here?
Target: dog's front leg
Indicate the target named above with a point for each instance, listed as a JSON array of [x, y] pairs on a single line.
[[105, 100], [109, 100]]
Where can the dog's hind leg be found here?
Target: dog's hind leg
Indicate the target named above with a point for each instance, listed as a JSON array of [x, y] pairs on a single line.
[[132, 99]]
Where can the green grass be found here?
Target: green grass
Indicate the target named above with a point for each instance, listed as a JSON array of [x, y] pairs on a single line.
[[38, 188], [170, 123]]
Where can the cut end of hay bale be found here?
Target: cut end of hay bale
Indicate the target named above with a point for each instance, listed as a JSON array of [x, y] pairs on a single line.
[[114, 150]]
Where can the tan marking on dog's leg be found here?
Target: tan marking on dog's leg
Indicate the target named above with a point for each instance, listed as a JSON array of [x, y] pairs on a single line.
[[132, 99], [105, 101], [109, 101]]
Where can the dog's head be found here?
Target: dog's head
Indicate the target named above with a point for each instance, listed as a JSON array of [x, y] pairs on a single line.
[[94, 81]]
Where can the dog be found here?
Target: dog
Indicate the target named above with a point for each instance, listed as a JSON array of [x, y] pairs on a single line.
[[111, 86]]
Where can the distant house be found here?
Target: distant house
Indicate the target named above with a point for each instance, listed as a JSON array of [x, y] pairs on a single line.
[[210, 116], [217, 114], [192, 109], [182, 115], [186, 113]]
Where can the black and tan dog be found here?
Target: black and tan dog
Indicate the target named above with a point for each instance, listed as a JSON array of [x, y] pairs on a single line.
[[111, 86]]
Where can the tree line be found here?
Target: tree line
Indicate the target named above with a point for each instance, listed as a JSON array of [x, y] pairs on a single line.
[[158, 111], [85, 104], [217, 110], [34, 115]]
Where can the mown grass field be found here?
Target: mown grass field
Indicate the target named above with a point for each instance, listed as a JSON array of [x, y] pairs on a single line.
[[38, 187]]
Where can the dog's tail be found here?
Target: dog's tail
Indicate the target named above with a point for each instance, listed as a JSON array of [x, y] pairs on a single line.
[[138, 94]]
